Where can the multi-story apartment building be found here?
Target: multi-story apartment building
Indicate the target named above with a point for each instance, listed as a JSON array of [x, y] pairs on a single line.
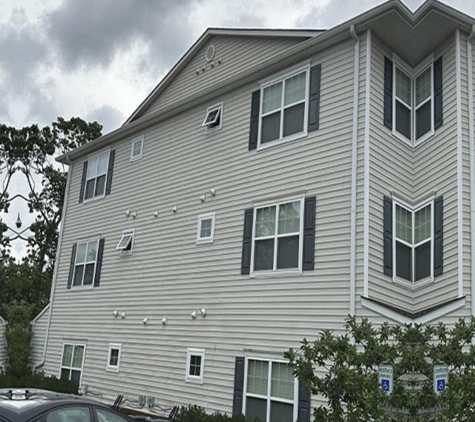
[[274, 182]]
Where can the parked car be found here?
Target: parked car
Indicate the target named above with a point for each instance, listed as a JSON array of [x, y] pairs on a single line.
[[47, 406]]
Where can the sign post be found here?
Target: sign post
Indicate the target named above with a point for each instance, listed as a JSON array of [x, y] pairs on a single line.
[[441, 378], [385, 378]]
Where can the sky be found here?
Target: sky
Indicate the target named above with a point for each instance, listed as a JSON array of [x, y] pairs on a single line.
[[98, 59]]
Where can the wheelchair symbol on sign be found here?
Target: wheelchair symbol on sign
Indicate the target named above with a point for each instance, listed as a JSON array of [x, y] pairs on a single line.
[[440, 385], [385, 385]]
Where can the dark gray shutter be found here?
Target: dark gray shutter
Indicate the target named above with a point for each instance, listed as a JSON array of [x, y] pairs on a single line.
[[254, 129], [388, 235], [100, 252], [438, 118], [438, 236], [83, 182], [314, 97], [309, 234], [388, 93], [304, 403], [110, 170], [247, 242], [238, 385], [71, 266]]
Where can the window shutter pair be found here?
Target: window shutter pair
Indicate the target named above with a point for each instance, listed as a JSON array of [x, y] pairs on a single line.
[[308, 256], [388, 93], [313, 107], [438, 236], [239, 374], [110, 171], [97, 275]]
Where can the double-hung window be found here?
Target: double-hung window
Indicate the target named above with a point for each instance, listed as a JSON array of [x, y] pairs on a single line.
[[85, 263], [72, 362], [413, 241], [270, 391], [413, 102], [96, 175], [277, 237], [284, 105]]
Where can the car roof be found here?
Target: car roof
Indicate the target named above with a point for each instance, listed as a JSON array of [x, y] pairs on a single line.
[[15, 407]]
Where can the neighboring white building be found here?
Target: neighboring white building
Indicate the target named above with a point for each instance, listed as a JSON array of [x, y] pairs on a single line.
[[274, 182], [3, 344]]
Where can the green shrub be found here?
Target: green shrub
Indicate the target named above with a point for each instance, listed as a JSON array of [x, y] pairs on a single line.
[[38, 381], [194, 413]]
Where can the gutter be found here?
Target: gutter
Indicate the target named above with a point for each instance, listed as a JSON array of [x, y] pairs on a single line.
[[472, 161], [354, 173], [56, 266]]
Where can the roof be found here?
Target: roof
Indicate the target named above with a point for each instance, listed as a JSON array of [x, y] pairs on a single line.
[[392, 12], [35, 320]]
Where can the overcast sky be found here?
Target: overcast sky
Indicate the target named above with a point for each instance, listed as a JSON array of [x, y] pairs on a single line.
[[98, 59]]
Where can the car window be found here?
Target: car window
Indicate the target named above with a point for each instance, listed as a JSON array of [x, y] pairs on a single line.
[[105, 416], [69, 414]]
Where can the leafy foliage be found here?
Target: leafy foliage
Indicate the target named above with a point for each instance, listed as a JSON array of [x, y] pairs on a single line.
[[349, 363], [194, 413], [38, 381]]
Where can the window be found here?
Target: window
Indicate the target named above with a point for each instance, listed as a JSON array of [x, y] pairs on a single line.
[[96, 176], [205, 232], [85, 263], [213, 118], [413, 105], [113, 359], [137, 148], [126, 241], [277, 237], [195, 364], [106, 416], [72, 362], [284, 106], [270, 391], [70, 413], [413, 245]]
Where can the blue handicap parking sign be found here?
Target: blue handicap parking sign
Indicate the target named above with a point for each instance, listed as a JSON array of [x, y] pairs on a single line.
[[385, 384], [441, 385]]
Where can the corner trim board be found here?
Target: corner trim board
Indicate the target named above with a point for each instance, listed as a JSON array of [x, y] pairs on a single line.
[[472, 161]]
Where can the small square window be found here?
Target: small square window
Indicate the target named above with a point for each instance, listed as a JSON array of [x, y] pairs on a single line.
[[137, 149], [126, 241], [113, 358], [213, 117], [205, 232], [195, 366]]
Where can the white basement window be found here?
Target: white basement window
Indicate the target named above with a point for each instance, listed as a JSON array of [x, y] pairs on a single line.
[[284, 108], [213, 116], [413, 241], [271, 391], [96, 176], [126, 241], [136, 149], [205, 233], [85, 263], [113, 358], [195, 364], [277, 237], [72, 362]]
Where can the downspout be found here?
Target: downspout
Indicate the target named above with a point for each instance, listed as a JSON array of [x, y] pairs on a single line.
[[471, 160], [354, 173], [56, 266]]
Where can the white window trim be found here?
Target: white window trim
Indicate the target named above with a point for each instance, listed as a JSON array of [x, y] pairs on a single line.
[[200, 240], [124, 233], [193, 378], [413, 74], [269, 379], [219, 106], [95, 198], [276, 272], [82, 286], [109, 367], [69, 367], [294, 136], [134, 141], [413, 285]]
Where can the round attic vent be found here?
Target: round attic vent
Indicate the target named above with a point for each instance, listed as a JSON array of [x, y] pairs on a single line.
[[210, 53]]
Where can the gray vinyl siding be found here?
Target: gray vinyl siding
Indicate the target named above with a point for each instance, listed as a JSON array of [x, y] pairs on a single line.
[[37, 341], [3, 345], [237, 53], [168, 275]]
